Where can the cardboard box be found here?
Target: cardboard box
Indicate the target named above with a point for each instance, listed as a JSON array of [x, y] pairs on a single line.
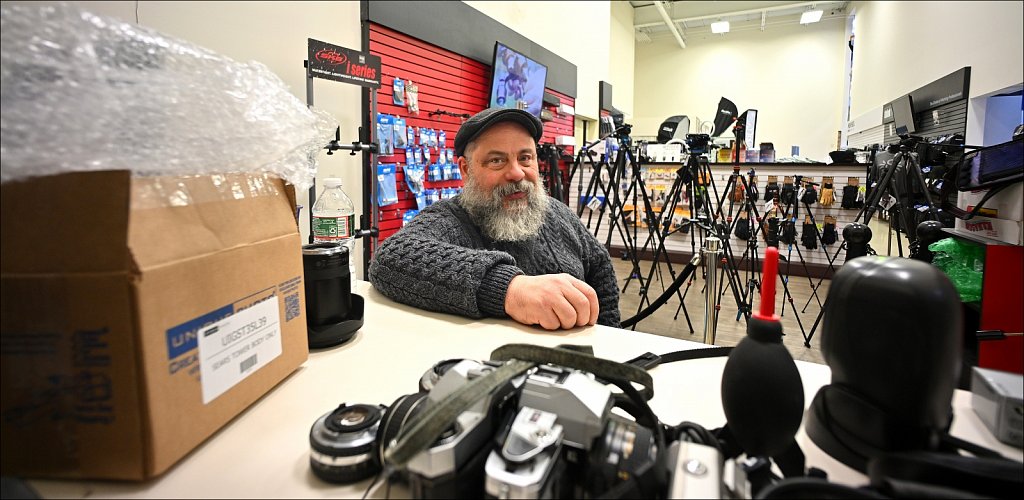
[[140, 315], [1006, 204], [1007, 231], [998, 399]]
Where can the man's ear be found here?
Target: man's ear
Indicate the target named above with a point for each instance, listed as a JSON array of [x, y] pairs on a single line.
[[463, 165]]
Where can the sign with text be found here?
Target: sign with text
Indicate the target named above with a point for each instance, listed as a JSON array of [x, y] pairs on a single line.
[[336, 63]]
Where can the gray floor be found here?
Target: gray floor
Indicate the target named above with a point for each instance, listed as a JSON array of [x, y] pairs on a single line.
[[729, 331]]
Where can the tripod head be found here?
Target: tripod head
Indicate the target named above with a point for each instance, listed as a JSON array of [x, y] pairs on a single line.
[[623, 130]]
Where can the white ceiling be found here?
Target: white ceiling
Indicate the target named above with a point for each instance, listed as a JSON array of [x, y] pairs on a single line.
[[695, 17]]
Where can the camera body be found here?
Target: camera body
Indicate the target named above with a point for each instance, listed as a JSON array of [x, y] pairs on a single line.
[[550, 433], [698, 143]]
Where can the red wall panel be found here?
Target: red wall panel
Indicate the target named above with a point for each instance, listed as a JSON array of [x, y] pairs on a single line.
[[447, 81]]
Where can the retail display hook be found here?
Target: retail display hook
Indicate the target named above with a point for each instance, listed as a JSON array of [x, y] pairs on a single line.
[[336, 144]]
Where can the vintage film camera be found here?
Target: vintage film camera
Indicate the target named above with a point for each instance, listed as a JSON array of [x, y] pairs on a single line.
[[550, 433]]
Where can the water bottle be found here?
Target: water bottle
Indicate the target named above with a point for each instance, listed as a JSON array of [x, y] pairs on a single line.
[[334, 218]]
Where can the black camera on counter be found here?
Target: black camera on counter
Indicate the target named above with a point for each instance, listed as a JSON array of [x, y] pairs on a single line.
[[550, 433]]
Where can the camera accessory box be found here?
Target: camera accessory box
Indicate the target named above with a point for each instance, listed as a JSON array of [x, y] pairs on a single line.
[[140, 315]]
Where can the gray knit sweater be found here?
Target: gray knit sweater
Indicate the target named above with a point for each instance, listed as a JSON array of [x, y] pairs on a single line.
[[441, 261]]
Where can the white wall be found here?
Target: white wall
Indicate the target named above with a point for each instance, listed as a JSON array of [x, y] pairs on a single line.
[[621, 56], [272, 33], [793, 75], [902, 46]]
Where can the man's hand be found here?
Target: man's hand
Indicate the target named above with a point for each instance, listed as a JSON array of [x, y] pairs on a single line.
[[552, 301]]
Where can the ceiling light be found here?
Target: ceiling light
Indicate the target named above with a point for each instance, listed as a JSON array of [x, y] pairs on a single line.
[[720, 27], [811, 16]]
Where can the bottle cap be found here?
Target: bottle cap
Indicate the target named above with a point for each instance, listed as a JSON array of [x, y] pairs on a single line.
[[332, 182]]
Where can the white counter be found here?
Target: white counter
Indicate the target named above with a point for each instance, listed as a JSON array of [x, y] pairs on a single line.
[[264, 452]]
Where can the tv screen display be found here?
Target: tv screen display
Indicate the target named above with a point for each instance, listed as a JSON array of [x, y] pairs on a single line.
[[903, 116], [518, 81]]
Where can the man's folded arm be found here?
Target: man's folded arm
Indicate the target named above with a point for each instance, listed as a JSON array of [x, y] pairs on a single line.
[[426, 272]]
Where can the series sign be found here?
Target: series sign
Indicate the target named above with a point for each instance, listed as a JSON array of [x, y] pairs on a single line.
[[332, 62]]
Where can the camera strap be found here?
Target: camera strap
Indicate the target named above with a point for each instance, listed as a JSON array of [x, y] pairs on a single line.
[[426, 426]]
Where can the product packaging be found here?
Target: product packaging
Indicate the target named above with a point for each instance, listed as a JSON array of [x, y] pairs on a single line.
[[398, 92], [412, 97], [964, 263], [385, 134], [408, 216], [108, 329], [414, 178], [387, 187], [400, 133]]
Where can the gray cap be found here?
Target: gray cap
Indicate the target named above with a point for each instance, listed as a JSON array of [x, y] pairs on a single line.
[[490, 116]]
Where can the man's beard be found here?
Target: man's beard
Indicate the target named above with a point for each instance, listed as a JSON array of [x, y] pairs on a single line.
[[518, 221]]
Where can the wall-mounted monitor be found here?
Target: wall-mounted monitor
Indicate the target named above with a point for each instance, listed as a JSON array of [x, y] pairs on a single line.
[[903, 115], [604, 95], [518, 81]]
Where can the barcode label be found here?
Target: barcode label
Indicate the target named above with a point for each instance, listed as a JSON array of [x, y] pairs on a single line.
[[247, 363]]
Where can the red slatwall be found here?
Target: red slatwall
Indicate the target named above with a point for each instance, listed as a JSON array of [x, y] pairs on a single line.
[[446, 81]]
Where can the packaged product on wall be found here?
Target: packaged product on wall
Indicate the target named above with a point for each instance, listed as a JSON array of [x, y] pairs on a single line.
[[398, 92], [400, 133], [408, 215], [410, 138], [414, 177], [385, 134], [442, 137], [387, 187], [412, 97]]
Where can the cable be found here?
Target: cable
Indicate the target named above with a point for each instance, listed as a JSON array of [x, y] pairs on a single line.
[[669, 292]]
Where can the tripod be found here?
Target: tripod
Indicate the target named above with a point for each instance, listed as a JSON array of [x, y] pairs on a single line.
[[904, 162], [616, 196]]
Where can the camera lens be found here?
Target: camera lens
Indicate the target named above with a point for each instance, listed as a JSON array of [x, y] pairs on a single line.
[[623, 452], [328, 283], [342, 443]]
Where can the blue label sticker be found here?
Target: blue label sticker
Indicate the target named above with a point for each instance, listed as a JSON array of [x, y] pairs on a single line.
[[182, 338]]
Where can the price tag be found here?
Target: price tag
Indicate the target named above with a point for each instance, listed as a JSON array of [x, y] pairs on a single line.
[[237, 346]]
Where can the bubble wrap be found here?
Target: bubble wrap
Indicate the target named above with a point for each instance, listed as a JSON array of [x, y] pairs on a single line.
[[86, 92]]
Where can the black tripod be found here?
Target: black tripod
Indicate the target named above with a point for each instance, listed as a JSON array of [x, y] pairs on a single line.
[[897, 181], [620, 219]]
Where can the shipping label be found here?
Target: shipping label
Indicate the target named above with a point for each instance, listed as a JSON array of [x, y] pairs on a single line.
[[183, 339], [235, 347]]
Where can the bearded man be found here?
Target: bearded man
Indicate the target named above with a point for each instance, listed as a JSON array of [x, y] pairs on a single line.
[[502, 248]]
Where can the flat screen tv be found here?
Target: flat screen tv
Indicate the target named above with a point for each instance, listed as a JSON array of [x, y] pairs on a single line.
[[903, 115], [518, 81]]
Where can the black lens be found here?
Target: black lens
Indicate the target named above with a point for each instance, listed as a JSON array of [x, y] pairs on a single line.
[[328, 283], [342, 443]]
